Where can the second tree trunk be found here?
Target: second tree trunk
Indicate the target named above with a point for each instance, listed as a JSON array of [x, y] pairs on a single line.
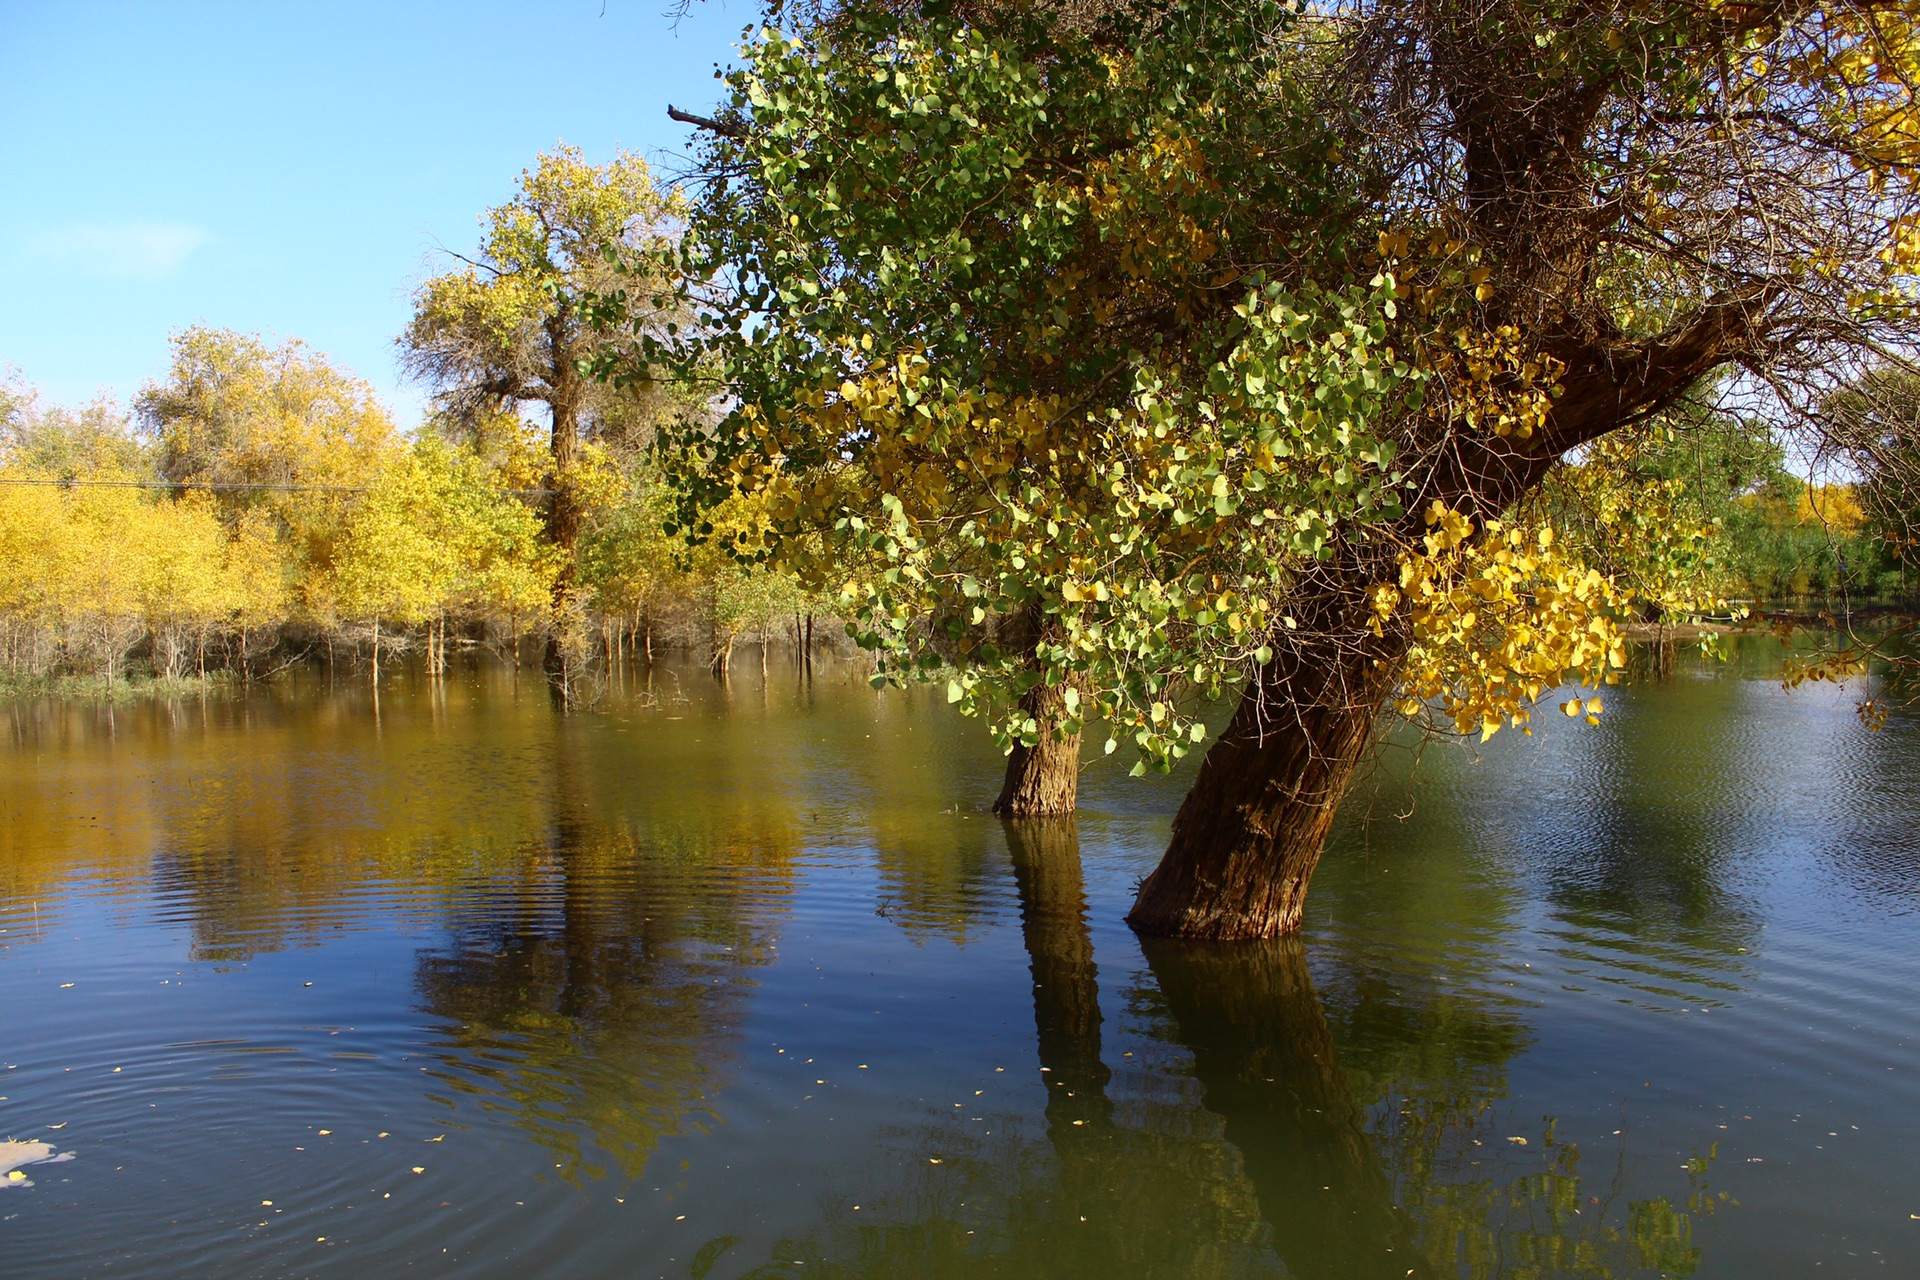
[[1044, 778]]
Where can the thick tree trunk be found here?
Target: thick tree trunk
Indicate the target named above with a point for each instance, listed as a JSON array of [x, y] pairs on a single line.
[[1248, 836], [1042, 779]]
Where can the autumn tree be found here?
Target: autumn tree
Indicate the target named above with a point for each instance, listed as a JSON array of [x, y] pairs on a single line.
[[94, 561], [627, 561], [433, 538], [53, 441], [278, 431], [505, 330], [1121, 353]]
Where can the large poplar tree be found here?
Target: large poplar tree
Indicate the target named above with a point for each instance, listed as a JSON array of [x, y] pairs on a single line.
[[505, 330], [1107, 353]]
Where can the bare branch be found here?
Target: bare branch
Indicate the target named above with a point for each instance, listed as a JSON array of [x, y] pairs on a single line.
[[725, 128]]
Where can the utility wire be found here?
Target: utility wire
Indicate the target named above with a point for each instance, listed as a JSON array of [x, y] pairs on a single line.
[[227, 486]]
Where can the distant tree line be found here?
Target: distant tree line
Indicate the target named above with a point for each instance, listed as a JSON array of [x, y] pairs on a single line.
[[257, 503]]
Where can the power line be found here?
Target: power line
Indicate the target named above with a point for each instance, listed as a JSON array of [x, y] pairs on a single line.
[[218, 486]]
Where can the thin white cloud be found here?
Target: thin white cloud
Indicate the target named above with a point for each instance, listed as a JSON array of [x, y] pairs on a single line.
[[120, 250]]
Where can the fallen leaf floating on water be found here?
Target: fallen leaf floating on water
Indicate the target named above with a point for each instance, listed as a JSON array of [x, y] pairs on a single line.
[[16, 1155]]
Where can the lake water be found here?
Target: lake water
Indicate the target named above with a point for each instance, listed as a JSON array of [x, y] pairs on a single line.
[[747, 982]]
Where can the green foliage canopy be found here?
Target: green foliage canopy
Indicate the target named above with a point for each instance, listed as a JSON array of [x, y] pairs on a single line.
[[1016, 332]]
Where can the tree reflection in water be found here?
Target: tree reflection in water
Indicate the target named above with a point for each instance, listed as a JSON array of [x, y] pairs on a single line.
[[1274, 1165], [596, 1003], [597, 999], [1265, 1059]]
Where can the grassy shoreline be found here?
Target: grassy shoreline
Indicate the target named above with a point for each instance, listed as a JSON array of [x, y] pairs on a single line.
[[128, 688]]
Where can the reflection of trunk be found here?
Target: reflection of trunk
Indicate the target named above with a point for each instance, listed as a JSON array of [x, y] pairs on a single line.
[[1066, 988], [1248, 836], [1264, 1057], [580, 992]]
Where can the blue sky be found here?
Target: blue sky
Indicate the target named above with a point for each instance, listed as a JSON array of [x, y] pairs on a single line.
[[290, 168]]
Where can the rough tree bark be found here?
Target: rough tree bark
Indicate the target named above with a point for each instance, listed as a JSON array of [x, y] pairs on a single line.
[[1248, 837], [1249, 834], [1042, 779]]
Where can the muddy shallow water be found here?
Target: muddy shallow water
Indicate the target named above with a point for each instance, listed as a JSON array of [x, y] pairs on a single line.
[[746, 982]]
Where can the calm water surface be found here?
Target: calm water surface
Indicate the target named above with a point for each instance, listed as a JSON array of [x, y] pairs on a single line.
[[747, 982]]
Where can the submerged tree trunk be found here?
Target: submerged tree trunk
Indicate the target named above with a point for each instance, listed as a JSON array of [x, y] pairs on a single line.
[[1042, 779], [1248, 836]]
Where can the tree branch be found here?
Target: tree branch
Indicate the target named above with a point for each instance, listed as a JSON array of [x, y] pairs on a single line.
[[1607, 388], [724, 128]]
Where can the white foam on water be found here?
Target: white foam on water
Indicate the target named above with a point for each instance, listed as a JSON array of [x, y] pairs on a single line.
[[18, 1155]]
